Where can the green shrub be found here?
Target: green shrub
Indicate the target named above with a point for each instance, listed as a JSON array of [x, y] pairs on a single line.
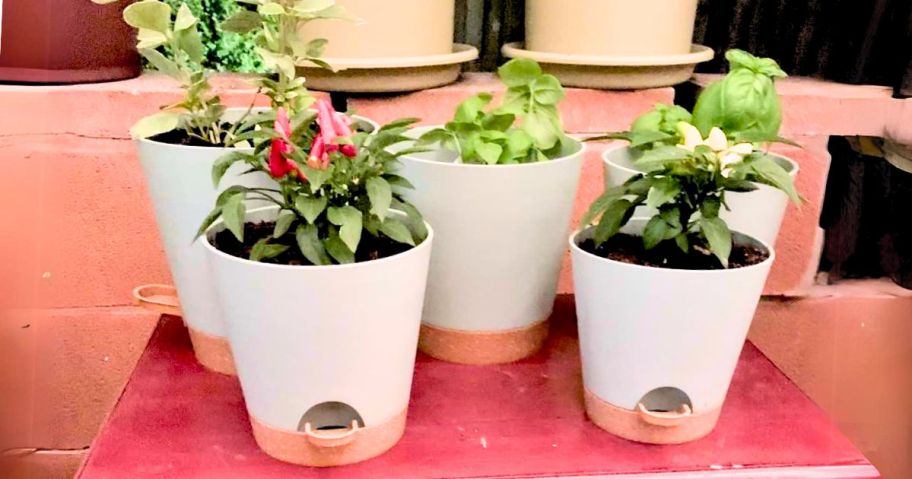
[[225, 51]]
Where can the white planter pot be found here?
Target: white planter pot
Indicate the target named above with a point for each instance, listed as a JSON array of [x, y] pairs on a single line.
[[758, 213], [660, 338], [179, 180], [500, 242], [323, 345], [615, 28]]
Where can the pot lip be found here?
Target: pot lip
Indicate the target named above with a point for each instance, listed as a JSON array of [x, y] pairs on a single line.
[[574, 247], [796, 168], [159, 144], [697, 54], [334, 267], [583, 147], [461, 53]]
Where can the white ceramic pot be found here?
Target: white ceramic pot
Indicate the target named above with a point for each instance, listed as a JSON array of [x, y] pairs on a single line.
[[659, 346], [757, 213], [324, 346], [179, 180], [615, 28], [500, 241]]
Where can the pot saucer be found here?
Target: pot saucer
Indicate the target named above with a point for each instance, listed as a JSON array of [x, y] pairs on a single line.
[[616, 72], [388, 75]]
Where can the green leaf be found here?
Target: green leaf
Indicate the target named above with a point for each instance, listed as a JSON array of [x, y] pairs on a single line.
[[163, 64], [185, 18], [539, 124], [470, 108], [150, 39], [663, 191], [271, 8], [710, 207], [397, 181], [148, 14], [308, 239], [310, 208], [264, 250], [655, 232], [337, 248], [283, 223], [718, 236], [598, 207], [415, 221], [156, 124], [489, 152], [223, 163], [519, 72], [316, 47], [190, 42], [234, 214], [659, 157], [397, 231], [243, 21], [312, 5], [207, 222], [769, 172], [616, 215], [348, 218], [547, 90], [683, 242], [381, 196]]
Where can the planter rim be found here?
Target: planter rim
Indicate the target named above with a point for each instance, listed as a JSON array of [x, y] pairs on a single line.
[[581, 149], [796, 168], [461, 53], [367, 264], [574, 247], [230, 148], [698, 54]]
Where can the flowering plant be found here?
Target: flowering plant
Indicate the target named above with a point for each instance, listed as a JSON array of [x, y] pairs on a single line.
[[334, 187], [493, 137], [689, 162]]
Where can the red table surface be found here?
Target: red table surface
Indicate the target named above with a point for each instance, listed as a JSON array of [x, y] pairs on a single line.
[[519, 420]]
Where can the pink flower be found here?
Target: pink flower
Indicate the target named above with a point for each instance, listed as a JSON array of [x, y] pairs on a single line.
[[279, 164], [333, 125]]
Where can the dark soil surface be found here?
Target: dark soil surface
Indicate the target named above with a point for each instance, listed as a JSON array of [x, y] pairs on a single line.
[[369, 249], [180, 137], [629, 249]]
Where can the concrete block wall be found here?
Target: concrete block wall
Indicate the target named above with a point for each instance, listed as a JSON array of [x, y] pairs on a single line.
[[78, 234]]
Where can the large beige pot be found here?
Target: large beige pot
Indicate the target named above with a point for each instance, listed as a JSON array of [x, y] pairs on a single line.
[[614, 28], [390, 28]]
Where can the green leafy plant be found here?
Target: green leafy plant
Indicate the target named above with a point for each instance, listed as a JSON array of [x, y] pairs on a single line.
[[274, 25], [686, 176], [334, 187], [224, 51], [493, 137]]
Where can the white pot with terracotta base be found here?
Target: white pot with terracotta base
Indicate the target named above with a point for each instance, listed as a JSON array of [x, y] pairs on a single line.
[[324, 354], [179, 180], [758, 213], [659, 346], [501, 232], [399, 45], [612, 44]]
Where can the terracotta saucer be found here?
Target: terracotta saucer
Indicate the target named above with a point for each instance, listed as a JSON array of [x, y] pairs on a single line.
[[613, 72], [387, 75]]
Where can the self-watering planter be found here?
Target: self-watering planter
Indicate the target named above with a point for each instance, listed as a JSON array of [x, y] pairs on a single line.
[[500, 241], [324, 354], [612, 43], [398, 45], [659, 346], [757, 213]]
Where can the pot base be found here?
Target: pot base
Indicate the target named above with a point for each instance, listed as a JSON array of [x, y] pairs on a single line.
[[615, 73], [300, 448], [389, 75], [482, 347], [631, 426], [213, 352]]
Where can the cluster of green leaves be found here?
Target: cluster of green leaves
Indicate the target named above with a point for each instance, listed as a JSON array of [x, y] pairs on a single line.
[[224, 51], [274, 25], [492, 137], [325, 215], [687, 186]]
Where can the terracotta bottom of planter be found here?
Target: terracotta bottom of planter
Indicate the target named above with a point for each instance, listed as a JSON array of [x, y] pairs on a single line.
[[482, 347], [299, 448], [213, 352], [630, 425]]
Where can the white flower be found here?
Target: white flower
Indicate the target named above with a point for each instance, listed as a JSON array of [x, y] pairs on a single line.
[[729, 155]]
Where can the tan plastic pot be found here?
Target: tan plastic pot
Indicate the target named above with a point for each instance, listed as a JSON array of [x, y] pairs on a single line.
[[611, 27], [399, 45]]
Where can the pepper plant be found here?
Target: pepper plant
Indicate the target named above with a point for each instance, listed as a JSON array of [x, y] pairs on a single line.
[[494, 137], [334, 187], [685, 176]]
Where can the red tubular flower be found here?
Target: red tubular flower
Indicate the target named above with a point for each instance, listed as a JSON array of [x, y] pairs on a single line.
[[333, 125], [279, 164]]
